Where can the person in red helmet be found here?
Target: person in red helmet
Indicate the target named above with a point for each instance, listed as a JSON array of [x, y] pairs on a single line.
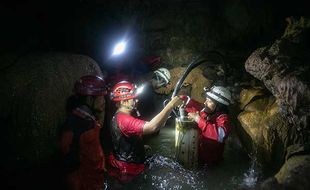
[[213, 121], [84, 160], [128, 154]]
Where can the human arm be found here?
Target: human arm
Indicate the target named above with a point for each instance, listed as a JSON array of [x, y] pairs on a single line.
[[216, 129], [194, 116], [153, 125], [191, 105]]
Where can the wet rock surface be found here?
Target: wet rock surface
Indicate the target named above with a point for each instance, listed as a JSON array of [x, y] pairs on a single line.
[[284, 69], [277, 124], [294, 174], [263, 129]]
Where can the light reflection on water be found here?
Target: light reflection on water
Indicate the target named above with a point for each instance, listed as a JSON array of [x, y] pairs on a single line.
[[165, 173], [237, 171], [253, 174]]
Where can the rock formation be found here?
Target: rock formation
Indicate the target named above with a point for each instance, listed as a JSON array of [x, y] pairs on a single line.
[[277, 124]]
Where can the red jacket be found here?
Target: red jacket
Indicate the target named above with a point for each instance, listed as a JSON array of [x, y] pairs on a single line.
[[89, 174], [214, 131]]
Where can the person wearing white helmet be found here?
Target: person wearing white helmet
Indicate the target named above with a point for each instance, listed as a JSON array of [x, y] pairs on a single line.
[[161, 78], [214, 122]]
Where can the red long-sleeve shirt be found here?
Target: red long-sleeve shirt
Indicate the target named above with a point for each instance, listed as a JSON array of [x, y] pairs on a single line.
[[214, 130]]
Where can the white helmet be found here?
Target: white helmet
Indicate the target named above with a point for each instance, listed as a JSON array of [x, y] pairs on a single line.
[[164, 74], [219, 94]]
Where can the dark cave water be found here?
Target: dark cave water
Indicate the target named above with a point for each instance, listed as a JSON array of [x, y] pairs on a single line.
[[237, 171]]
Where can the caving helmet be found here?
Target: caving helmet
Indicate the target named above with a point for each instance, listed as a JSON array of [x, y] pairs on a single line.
[[219, 94], [90, 85], [123, 90], [162, 77]]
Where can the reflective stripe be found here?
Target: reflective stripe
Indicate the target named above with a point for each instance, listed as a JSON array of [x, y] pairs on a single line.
[[83, 114], [221, 134], [188, 99], [162, 74], [160, 84]]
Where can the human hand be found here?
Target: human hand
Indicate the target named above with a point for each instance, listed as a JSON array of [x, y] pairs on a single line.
[[194, 116], [176, 101], [183, 97]]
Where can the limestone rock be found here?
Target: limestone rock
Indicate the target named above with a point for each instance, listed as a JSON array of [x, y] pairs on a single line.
[[284, 69], [260, 104], [295, 174], [281, 130], [246, 95], [263, 127]]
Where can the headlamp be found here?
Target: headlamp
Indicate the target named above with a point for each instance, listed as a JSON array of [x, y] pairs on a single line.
[[140, 89], [119, 48]]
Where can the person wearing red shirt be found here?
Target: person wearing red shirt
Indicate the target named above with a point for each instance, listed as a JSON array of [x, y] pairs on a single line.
[[128, 154], [84, 160], [213, 121]]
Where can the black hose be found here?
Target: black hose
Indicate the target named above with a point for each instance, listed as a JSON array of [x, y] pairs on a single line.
[[187, 71], [181, 80], [190, 67]]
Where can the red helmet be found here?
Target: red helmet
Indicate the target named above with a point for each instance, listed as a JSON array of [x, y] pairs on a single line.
[[123, 90], [90, 86]]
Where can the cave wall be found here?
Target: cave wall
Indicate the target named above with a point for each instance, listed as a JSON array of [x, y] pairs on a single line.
[[33, 97], [177, 30], [278, 124], [283, 67]]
